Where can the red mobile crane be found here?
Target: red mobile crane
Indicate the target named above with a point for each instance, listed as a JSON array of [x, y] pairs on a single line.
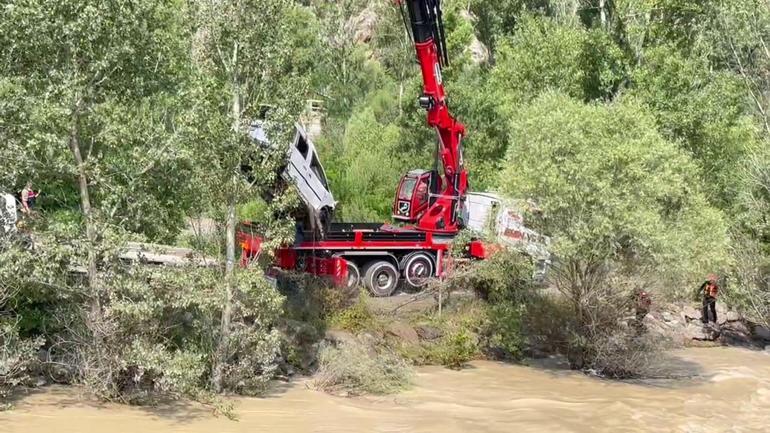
[[442, 210], [430, 202]]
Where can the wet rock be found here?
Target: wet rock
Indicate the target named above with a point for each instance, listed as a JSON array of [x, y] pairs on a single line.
[[761, 332], [735, 333], [730, 316], [701, 332], [403, 332], [429, 333]]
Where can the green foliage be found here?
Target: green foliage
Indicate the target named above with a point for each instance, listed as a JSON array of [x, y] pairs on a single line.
[[657, 132], [456, 349], [545, 55], [356, 318], [368, 169], [504, 328], [612, 188], [704, 110], [17, 355], [353, 369]]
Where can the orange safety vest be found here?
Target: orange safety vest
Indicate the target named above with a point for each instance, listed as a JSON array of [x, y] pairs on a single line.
[[711, 289]]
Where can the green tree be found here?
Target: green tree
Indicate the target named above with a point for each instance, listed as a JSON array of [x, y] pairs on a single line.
[[368, 168], [544, 54], [244, 60], [612, 190], [704, 110], [78, 62]]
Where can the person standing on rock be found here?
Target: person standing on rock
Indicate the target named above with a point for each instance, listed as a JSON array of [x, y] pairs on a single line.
[[709, 290]]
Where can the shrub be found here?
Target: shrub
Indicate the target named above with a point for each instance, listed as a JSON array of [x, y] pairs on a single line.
[[456, 349], [505, 282], [592, 332], [356, 368], [504, 331], [16, 357], [355, 318]]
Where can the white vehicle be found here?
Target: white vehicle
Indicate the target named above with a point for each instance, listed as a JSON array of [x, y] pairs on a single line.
[[503, 217], [7, 213], [304, 170]]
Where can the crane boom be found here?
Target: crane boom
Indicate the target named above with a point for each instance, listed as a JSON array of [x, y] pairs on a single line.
[[442, 209]]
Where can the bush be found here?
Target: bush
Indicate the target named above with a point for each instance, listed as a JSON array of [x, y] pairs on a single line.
[[505, 282], [504, 332], [355, 318], [16, 357], [592, 331], [623, 354], [356, 368], [456, 349]]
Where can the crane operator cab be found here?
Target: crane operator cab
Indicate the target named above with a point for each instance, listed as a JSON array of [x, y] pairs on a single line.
[[416, 192]]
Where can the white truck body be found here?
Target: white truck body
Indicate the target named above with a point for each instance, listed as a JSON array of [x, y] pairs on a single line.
[[503, 218], [305, 171]]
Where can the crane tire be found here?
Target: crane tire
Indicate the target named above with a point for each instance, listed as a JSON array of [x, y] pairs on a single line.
[[418, 269], [381, 278], [354, 277]]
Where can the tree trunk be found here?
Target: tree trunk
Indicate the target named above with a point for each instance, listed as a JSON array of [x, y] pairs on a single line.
[[603, 13], [85, 204], [230, 283], [227, 308]]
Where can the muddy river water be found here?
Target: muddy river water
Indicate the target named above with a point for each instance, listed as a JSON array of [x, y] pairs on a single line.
[[726, 390]]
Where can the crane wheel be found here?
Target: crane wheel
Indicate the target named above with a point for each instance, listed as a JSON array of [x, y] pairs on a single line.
[[418, 269], [381, 278], [354, 278]]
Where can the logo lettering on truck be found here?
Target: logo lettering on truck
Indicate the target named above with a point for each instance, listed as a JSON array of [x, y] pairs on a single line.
[[404, 208]]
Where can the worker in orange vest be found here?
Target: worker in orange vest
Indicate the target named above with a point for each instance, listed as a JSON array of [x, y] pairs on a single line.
[[709, 290]]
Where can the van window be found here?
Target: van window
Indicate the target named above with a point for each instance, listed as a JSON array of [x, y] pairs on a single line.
[[318, 171], [302, 146]]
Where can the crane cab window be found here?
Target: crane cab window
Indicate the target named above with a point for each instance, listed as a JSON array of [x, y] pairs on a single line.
[[422, 191], [407, 189]]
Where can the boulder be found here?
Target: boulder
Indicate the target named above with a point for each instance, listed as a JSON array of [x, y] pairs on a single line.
[[721, 309], [364, 25], [730, 316], [689, 313], [667, 317], [761, 332], [735, 333], [701, 332], [479, 52], [402, 332], [429, 333]]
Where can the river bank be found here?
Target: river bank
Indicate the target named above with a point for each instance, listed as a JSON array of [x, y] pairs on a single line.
[[485, 396]]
